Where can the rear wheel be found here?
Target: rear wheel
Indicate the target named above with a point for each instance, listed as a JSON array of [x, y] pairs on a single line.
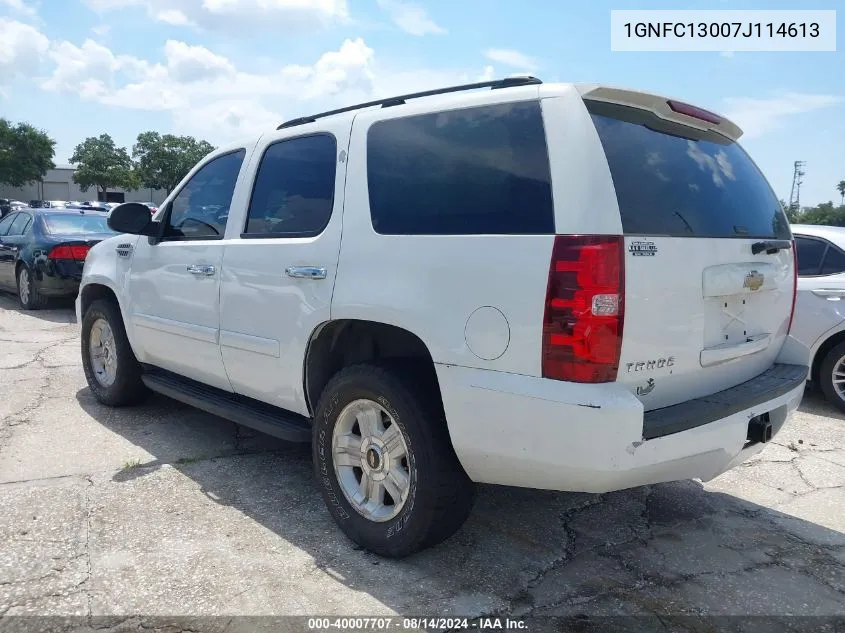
[[111, 369], [384, 461], [832, 376], [28, 294]]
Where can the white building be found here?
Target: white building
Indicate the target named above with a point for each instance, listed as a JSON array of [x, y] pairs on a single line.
[[58, 185]]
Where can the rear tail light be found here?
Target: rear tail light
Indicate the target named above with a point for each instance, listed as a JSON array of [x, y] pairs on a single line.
[[78, 253], [794, 284], [694, 112], [582, 325]]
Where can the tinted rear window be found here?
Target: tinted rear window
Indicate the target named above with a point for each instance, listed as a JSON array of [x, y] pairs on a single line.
[[72, 224], [294, 188], [676, 181], [481, 170]]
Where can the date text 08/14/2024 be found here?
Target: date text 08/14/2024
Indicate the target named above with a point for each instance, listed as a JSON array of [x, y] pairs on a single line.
[[414, 623]]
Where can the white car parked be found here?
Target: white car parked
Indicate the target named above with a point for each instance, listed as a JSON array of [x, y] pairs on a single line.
[[569, 287], [819, 324]]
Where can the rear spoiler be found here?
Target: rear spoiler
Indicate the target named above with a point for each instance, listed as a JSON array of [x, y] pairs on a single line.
[[663, 107]]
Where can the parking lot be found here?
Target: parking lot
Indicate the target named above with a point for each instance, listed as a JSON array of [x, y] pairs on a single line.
[[164, 510]]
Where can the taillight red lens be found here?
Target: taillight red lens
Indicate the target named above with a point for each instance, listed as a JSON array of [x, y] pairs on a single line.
[[794, 284], [78, 253], [582, 325], [694, 112]]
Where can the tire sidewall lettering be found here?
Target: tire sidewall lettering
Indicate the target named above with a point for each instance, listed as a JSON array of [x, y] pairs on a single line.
[[336, 499]]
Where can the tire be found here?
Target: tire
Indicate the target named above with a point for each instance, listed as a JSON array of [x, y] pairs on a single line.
[[830, 361], [439, 495], [126, 387], [29, 296]]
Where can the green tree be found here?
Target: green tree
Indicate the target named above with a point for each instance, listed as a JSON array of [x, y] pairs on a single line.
[[163, 160], [100, 163], [793, 213], [826, 214], [26, 153], [841, 189]]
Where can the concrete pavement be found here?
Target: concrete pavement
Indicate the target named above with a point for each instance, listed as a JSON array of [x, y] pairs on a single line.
[[164, 510]]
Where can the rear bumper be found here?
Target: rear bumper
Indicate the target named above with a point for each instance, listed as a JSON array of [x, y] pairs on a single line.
[[536, 433], [58, 278]]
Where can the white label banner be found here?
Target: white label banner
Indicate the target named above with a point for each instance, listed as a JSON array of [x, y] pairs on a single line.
[[723, 30]]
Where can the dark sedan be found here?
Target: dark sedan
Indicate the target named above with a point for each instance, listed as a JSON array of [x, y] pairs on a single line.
[[42, 252]]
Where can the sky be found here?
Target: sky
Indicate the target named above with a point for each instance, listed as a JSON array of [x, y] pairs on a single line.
[[228, 69]]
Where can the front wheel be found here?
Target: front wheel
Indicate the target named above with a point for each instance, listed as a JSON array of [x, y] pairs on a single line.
[[111, 369], [832, 376], [384, 461]]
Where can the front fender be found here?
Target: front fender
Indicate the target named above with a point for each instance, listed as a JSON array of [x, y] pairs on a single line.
[[104, 267]]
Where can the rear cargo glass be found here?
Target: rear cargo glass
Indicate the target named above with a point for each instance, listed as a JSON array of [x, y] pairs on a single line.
[[672, 180], [72, 224]]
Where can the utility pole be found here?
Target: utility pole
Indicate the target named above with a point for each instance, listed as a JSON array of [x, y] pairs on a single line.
[[797, 179]]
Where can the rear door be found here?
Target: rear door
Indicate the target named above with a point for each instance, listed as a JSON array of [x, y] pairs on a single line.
[[280, 260], [10, 247], [7, 253], [707, 297], [820, 305]]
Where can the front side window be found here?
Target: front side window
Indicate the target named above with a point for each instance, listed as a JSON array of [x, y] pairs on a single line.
[[294, 188], [201, 208], [482, 170]]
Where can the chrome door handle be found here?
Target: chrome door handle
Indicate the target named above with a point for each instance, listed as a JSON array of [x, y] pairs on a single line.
[[306, 272], [201, 269], [833, 294]]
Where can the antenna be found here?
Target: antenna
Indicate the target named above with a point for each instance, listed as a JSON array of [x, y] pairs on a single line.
[[797, 179]]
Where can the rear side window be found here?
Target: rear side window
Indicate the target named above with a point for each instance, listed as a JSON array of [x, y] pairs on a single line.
[[6, 223], [672, 180], [834, 261], [810, 253], [20, 224], [294, 188], [478, 170]]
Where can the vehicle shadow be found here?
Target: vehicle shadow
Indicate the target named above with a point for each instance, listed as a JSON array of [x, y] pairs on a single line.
[[815, 403], [57, 310], [668, 549]]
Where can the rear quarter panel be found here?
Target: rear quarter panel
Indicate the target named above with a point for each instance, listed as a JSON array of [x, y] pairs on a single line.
[[444, 288]]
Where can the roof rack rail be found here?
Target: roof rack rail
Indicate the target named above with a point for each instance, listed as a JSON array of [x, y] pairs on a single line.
[[509, 82]]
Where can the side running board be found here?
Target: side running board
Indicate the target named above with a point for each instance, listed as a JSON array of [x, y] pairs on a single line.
[[271, 420]]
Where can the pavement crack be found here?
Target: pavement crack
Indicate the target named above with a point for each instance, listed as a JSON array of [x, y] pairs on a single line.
[[801, 476], [87, 549]]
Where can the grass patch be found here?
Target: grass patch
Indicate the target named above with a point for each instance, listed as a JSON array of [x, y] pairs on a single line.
[[182, 461], [132, 463]]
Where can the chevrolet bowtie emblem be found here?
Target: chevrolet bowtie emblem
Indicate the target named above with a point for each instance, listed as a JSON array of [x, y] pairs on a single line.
[[754, 280]]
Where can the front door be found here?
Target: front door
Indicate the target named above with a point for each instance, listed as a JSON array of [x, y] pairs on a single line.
[[279, 262], [175, 280]]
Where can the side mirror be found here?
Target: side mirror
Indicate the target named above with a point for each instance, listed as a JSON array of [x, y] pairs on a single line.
[[134, 218]]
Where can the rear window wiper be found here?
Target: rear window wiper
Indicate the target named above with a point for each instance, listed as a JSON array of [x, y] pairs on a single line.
[[770, 246]]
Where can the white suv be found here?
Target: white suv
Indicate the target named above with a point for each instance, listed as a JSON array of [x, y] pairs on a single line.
[[553, 286]]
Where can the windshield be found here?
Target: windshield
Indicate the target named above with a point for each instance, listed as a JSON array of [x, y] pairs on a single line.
[[672, 180], [72, 224]]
